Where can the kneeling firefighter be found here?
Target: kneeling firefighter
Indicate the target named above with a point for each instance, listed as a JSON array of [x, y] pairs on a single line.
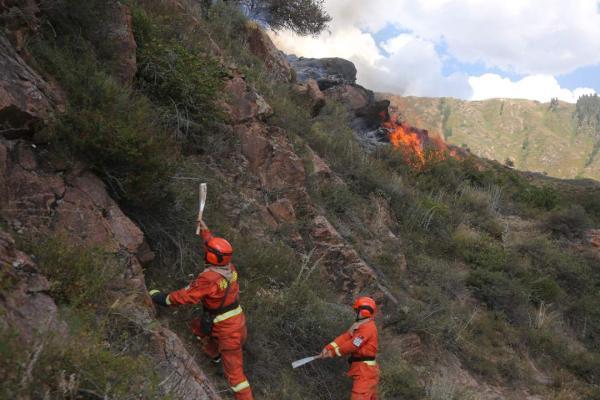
[[361, 343], [222, 327]]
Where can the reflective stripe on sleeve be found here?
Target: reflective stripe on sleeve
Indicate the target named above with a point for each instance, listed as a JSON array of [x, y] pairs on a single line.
[[228, 314], [240, 386], [336, 348], [372, 363], [168, 301]]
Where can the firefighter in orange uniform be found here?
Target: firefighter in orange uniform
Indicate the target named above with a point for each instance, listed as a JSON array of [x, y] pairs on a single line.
[[361, 343], [222, 328]]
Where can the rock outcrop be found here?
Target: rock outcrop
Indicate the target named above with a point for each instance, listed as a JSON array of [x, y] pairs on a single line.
[[40, 201], [25, 305], [275, 61], [327, 72], [316, 98], [25, 97], [243, 102], [334, 80], [116, 37]]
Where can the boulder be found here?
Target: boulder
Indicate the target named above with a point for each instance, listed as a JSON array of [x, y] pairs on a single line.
[[283, 210], [76, 204], [242, 103], [349, 273], [275, 61], [25, 305], [327, 72], [354, 96], [315, 96], [271, 157], [25, 97]]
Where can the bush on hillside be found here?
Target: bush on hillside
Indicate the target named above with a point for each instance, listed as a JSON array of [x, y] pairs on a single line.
[[80, 365], [106, 124], [304, 17], [78, 275], [176, 72], [570, 222], [544, 198]]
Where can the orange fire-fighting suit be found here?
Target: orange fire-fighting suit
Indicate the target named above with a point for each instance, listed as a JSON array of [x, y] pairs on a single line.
[[229, 328], [361, 343]]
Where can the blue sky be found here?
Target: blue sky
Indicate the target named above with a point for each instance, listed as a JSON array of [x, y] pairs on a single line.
[[471, 49]]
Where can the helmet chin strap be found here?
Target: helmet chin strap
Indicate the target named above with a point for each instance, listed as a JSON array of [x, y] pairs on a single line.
[[358, 317]]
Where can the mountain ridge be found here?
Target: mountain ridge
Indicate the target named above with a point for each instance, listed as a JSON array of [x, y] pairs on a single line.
[[532, 136]]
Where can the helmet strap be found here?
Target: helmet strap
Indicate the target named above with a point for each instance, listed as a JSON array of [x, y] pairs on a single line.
[[358, 316]]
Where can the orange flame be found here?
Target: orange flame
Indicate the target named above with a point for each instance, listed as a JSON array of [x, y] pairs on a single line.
[[413, 142]]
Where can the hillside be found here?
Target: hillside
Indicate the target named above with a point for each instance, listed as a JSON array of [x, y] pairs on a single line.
[[112, 113], [533, 135]]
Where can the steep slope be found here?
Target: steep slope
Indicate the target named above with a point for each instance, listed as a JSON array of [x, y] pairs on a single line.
[[486, 277], [532, 135]]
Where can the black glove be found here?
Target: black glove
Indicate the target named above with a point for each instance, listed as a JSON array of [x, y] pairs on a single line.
[[159, 297]]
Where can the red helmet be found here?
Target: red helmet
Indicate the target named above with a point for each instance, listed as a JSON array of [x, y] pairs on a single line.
[[218, 251], [365, 307]]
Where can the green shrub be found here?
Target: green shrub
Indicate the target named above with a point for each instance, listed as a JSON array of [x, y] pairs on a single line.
[[480, 251], [78, 275], [105, 124], [585, 365], [584, 315], [338, 199], [80, 365], [570, 222], [175, 72], [500, 293], [400, 381], [545, 290], [288, 324], [544, 198]]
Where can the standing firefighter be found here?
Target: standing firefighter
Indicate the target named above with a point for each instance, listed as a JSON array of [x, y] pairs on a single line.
[[222, 327], [361, 343]]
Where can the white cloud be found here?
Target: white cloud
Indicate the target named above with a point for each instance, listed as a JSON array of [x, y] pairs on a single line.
[[535, 38], [412, 66], [529, 37], [535, 87]]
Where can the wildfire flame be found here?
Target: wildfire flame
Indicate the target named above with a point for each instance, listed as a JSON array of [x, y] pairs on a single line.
[[416, 145]]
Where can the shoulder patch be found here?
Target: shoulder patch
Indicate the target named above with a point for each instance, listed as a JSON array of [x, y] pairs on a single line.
[[222, 284], [234, 276], [358, 341]]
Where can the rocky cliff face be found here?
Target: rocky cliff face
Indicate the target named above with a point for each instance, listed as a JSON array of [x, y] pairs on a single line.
[[41, 199]]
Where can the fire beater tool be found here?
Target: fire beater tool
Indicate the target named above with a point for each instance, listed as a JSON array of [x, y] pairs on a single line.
[[202, 202], [299, 363]]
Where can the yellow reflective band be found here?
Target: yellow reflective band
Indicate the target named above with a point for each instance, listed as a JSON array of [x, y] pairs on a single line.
[[336, 348], [372, 363], [153, 292], [240, 386], [168, 301], [227, 315]]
